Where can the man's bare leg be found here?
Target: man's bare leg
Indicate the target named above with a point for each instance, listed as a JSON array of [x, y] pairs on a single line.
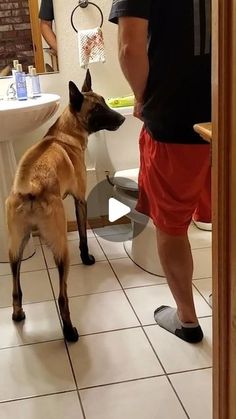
[[176, 259]]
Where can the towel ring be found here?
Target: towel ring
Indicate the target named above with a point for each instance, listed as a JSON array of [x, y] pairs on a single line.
[[84, 4]]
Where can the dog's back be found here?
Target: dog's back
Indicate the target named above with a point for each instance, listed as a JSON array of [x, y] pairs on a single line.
[[39, 169], [41, 181]]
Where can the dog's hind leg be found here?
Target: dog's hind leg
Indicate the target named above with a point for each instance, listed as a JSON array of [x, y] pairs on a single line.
[[81, 216], [53, 229], [15, 262], [70, 332], [19, 233]]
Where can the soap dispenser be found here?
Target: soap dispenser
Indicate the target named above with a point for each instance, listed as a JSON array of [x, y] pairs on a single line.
[[21, 90]]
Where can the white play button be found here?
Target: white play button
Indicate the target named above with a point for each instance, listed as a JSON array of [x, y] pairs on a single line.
[[117, 210]]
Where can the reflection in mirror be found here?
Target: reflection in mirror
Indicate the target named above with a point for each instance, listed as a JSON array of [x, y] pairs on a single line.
[[27, 34]]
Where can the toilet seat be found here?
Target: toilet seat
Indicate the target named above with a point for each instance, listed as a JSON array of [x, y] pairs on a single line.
[[126, 191], [127, 179]]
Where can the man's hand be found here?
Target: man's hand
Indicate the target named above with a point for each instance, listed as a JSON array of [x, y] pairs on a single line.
[[138, 106], [52, 52]]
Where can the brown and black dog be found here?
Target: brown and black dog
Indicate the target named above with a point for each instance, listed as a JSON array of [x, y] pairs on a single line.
[[48, 171]]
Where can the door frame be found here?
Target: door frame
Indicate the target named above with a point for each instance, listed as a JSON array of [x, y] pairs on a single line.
[[224, 207], [36, 36]]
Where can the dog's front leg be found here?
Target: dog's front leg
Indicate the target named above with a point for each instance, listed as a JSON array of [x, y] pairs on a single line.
[[81, 216]]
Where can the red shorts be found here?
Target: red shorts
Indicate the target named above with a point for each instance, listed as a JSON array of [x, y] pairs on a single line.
[[174, 183]]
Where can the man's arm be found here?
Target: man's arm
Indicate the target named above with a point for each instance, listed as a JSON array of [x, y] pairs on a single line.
[[48, 34], [133, 57]]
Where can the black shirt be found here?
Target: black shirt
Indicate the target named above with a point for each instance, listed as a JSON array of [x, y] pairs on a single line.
[[46, 10], [178, 91]]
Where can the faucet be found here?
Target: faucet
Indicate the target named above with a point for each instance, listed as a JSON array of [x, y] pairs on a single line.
[[11, 91]]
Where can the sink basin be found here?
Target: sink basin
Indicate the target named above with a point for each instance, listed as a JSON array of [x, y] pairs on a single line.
[[16, 119], [19, 117]]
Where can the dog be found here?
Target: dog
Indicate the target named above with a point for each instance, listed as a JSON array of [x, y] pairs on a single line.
[[46, 174]]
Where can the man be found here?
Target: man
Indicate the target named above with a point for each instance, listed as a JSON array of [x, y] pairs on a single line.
[[46, 15], [164, 53]]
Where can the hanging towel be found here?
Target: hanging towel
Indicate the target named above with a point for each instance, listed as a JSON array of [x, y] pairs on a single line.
[[91, 47]]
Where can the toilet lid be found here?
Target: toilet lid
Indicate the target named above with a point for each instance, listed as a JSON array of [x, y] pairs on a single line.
[[127, 179]]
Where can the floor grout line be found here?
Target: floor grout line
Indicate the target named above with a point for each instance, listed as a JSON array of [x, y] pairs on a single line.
[[191, 370], [32, 343], [37, 396], [178, 397], [130, 380], [207, 301]]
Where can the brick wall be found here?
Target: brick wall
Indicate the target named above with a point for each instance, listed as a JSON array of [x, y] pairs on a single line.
[[15, 33]]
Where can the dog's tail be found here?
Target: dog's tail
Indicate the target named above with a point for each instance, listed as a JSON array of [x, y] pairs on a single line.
[[28, 190], [26, 202], [31, 204], [32, 194]]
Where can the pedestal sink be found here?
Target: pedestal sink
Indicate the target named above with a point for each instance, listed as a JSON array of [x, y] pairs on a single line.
[[16, 119]]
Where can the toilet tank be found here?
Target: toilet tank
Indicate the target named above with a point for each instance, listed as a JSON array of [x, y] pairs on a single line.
[[109, 152], [116, 150]]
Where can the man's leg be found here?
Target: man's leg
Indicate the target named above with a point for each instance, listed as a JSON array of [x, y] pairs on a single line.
[[176, 259]]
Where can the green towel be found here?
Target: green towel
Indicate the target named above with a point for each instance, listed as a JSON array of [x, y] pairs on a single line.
[[123, 101]]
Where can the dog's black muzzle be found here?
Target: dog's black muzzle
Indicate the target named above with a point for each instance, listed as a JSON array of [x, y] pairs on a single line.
[[102, 117]]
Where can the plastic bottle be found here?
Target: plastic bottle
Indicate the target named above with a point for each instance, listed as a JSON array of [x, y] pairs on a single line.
[[21, 90], [29, 84], [15, 63], [35, 82]]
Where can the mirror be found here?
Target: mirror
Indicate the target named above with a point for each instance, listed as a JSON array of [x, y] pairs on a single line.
[[26, 37]]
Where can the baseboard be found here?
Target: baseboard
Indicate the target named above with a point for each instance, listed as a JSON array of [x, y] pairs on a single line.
[[98, 222]]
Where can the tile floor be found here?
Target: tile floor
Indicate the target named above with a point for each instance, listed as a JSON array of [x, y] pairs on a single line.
[[124, 366]]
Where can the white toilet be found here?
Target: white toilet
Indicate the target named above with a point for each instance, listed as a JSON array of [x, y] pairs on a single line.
[[142, 248]]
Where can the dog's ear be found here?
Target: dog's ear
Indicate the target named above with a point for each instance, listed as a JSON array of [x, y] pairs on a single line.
[[76, 97], [87, 86]]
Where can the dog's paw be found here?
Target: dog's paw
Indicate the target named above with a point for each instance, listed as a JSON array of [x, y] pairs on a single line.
[[88, 259], [71, 334], [18, 317]]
